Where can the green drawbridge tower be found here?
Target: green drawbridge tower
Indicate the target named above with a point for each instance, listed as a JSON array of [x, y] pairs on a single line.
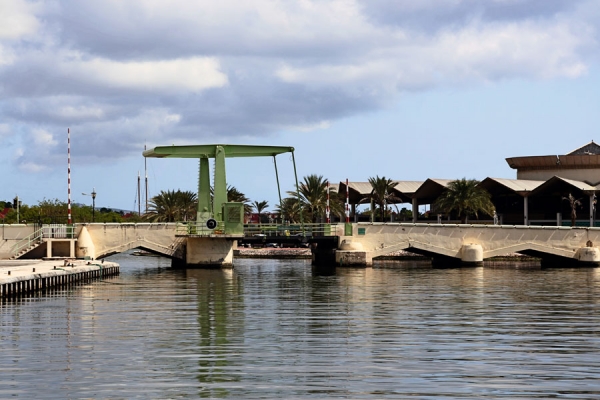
[[204, 247]]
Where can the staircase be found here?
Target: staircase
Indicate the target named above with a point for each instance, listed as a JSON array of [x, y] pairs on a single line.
[[25, 250], [27, 244]]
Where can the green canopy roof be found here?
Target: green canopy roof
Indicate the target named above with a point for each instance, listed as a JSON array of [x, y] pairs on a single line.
[[209, 151]]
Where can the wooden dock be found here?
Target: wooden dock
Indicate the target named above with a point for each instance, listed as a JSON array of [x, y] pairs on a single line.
[[21, 278]]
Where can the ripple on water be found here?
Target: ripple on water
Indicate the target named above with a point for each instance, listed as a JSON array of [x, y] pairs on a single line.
[[274, 329]]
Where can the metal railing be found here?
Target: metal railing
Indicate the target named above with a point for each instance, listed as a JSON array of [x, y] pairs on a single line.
[[200, 229], [317, 229], [27, 242]]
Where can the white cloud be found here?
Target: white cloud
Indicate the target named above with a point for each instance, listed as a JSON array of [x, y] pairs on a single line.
[[42, 137], [120, 73], [5, 130], [192, 74], [31, 167], [70, 112], [17, 19], [312, 127], [474, 53]]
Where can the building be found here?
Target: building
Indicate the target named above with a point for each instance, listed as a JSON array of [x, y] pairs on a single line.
[[546, 191]]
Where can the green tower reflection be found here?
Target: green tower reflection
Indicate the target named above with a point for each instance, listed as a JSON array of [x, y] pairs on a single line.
[[220, 321]]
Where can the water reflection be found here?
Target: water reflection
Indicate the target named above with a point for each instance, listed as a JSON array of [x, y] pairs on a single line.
[[278, 329]]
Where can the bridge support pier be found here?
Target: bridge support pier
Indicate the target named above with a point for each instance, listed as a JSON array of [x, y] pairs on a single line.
[[588, 255], [209, 252], [471, 254], [351, 254]]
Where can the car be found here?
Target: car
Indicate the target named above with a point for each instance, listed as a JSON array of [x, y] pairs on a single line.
[[271, 245]]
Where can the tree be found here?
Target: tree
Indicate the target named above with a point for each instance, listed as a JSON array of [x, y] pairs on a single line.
[[573, 203], [464, 197], [171, 206], [382, 193], [260, 206], [235, 196], [313, 197], [289, 209]]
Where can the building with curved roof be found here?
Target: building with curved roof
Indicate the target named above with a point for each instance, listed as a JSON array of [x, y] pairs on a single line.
[[539, 195], [582, 164]]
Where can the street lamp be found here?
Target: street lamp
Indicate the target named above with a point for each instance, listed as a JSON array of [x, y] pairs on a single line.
[[93, 194]]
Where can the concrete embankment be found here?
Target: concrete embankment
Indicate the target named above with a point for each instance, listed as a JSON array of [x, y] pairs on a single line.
[[294, 253], [276, 253], [22, 277]]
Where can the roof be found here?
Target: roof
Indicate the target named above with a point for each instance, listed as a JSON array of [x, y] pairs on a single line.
[[558, 183], [210, 151], [587, 149], [519, 186], [408, 187], [586, 156], [431, 189]]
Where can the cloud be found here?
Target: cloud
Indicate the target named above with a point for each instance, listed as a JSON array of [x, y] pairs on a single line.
[[121, 74], [165, 76], [17, 19]]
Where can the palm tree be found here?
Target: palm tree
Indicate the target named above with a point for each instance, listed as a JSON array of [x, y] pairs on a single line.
[[573, 203], [313, 197], [260, 206], [171, 206], [235, 196], [382, 193], [289, 209], [464, 197]]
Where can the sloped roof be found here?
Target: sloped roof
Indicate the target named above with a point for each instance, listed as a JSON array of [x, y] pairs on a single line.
[[408, 187], [587, 149], [431, 189], [519, 186], [557, 181]]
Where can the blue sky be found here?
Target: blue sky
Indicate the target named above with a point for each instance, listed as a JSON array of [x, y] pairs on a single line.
[[402, 89]]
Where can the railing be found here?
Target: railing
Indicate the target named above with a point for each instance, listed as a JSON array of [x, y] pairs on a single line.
[[199, 228], [293, 230], [58, 231], [27, 242]]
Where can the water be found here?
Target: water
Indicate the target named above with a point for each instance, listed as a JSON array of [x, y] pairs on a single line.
[[274, 329]]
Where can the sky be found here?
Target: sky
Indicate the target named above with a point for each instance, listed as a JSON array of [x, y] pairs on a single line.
[[404, 89]]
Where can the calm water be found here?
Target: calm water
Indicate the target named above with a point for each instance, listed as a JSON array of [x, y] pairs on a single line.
[[274, 329]]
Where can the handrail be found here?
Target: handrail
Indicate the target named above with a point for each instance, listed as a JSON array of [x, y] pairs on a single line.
[[199, 228], [306, 229], [316, 229], [26, 241]]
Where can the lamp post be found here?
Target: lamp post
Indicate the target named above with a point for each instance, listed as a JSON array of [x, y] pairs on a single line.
[[93, 194], [16, 206]]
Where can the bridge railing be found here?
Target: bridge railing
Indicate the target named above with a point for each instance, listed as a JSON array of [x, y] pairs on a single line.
[[318, 229], [293, 229], [199, 228]]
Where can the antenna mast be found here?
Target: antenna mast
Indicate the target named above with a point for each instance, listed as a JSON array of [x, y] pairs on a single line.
[[139, 195], [69, 221], [146, 181]]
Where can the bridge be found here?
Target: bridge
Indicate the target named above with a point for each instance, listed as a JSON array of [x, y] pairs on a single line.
[[354, 244]]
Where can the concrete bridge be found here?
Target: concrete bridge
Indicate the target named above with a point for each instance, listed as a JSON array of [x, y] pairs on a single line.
[[356, 244], [469, 244]]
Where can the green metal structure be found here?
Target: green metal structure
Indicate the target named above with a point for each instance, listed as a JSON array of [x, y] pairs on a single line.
[[219, 209]]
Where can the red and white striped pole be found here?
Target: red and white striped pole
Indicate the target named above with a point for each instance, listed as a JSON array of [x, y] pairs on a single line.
[[69, 175], [347, 202], [327, 207]]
